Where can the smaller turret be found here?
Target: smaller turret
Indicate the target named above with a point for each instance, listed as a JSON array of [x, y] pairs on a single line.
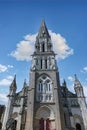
[[24, 89], [81, 100], [65, 89], [13, 86], [9, 108], [25, 84], [64, 83], [78, 87]]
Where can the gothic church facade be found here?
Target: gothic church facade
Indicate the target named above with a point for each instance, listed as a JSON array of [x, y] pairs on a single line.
[[45, 104]]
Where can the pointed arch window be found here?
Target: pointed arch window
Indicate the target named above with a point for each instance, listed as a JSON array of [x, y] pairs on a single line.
[[40, 87], [44, 89]]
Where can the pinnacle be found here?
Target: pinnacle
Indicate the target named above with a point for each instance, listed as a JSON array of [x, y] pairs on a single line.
[[64, 83], [43, 29], [25, 84], [77, 82], [13, 84]]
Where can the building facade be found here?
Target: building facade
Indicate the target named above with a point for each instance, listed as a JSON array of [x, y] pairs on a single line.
[[2, 110], [45, 104]]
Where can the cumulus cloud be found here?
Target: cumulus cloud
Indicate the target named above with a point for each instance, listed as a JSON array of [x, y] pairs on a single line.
[[3, 98], [9, 66], [6, 81], [25, 48], [85, 69], [60, 46], [70, 78], [4, 68], [10, 77]]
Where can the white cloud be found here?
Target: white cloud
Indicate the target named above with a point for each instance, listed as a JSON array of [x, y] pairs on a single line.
[[10, 66], [6, 81], [60, 46], [4, 68], [10, 77], [26, 47], [3, 98], [85, 69], [70, 78]]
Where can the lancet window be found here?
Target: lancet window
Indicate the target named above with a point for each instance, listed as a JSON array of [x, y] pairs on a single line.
[[44, 89]]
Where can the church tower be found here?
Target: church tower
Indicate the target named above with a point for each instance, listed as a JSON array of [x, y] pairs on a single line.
[[81, 100], [9, 108], [44, 110]]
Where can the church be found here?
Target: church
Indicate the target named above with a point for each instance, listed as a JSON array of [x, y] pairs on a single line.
[[45, 104]]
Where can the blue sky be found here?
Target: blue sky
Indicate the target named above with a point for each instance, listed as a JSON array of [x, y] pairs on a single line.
[[19, 23]]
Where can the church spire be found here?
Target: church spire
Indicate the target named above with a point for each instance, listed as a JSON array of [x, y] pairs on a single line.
[[43, 40], [25, 84], [13, 85], [44, 56], [43, 31], [78, 87], [77, 82], [64, 84]]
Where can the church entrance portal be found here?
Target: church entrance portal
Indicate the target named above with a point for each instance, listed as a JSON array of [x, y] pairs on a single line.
[[44, 119]]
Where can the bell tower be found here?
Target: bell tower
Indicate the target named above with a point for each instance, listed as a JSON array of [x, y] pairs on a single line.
[[44, 111]]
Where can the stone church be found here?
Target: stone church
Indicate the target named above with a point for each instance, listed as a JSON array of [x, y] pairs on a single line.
[[45, 104]]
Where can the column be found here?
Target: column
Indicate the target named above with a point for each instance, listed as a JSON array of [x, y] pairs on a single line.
[[48, 63], [43, 63]]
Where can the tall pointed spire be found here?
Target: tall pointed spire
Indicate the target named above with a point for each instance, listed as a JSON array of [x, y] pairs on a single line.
[[25, 84], [13, 84], [78, 87], [43, 31], [44, 56], [77, 82], [64, 83]]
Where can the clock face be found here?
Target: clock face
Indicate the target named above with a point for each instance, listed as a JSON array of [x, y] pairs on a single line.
[[9, 123]]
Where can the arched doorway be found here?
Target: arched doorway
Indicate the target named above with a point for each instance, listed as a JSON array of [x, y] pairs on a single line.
[[78, 126], [44, 119]]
